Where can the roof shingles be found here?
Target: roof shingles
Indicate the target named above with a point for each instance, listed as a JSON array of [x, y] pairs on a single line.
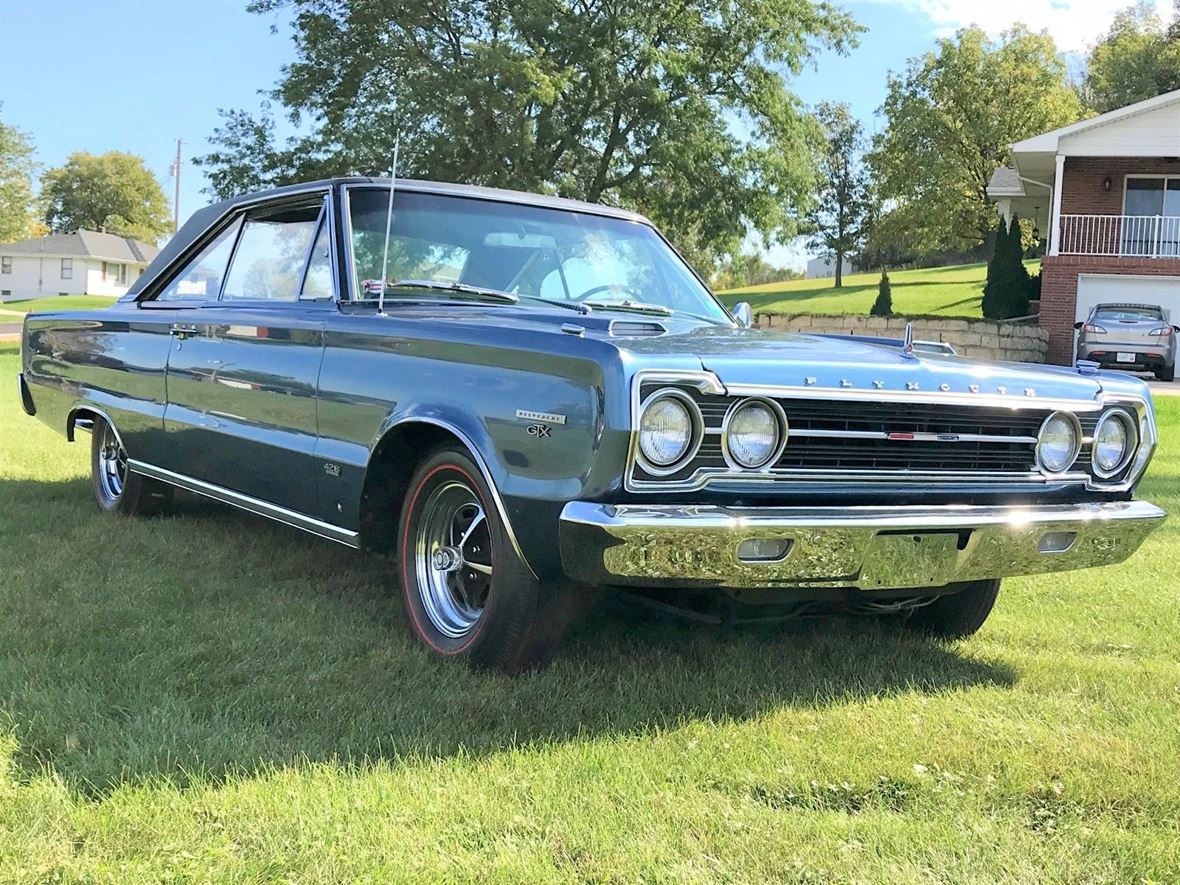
[[85, 244]]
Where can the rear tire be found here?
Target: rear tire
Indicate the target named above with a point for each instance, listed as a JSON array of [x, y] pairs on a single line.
[[1168, 373], [116, 488], [958, 614], [468, 594]]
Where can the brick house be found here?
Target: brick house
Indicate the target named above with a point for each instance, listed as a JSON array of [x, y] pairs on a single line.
[[1106, 192]]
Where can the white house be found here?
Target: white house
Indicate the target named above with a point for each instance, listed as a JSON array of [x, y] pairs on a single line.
[[85, 262], [1106, 192], [826, 267]]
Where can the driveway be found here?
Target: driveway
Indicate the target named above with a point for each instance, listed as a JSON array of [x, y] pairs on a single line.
[[1163, 388], [9, 331]]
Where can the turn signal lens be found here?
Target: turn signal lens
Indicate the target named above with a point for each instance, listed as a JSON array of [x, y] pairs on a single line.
[[1090, 327], [1162, 331]]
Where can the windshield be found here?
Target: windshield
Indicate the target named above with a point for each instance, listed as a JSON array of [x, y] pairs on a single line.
[[529, 251]]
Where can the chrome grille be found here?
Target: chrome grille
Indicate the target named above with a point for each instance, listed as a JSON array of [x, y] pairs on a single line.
[[835, 436]]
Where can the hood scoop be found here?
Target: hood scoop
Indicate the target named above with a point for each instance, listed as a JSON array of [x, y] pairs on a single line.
[[636, 329]]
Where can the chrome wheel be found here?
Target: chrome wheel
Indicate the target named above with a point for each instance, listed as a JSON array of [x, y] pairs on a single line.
[[453, 558], [112, 464]]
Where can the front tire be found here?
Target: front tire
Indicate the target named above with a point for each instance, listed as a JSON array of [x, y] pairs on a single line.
[[1167, 373], [116, 488], [958, 614], [468, 594]]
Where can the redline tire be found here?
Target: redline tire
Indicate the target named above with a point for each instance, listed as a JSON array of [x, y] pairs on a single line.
[[449, 523]]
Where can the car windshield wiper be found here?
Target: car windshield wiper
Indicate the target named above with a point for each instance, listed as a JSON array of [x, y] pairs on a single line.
[[633, 307], [483, 292], [461, 288]]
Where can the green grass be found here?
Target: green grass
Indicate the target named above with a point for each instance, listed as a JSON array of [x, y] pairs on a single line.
[[948, 291], [213, 697], [59, 302]]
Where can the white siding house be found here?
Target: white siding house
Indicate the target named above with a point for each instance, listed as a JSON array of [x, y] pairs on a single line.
[[85, 262], [826, 267]]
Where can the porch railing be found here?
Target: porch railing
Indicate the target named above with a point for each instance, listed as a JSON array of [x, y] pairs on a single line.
[[1135, 236]]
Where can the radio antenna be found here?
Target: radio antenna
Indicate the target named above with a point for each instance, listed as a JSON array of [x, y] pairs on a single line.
[[388, 226]]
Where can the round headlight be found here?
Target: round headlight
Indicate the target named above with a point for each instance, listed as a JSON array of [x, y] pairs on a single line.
[[752, 434], [1113, 443], [666, 430], [1058, 442]]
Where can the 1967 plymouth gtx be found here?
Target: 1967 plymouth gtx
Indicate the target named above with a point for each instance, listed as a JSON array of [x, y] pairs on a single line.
[[518, 398]]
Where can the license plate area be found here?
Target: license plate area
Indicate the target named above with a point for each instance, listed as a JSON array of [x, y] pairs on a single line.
[[912, 559], [1123, 357]]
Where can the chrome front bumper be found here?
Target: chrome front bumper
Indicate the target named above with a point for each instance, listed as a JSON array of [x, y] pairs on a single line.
[[869, 548]]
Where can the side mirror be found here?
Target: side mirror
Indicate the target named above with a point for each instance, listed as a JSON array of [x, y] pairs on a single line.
[[744, 314], [1078, 325], [1176, 328]]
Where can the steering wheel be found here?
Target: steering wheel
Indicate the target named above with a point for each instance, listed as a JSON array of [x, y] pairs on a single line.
[[605, 288]]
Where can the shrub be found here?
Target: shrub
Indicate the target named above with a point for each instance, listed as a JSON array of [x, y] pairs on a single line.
[[1008, 286], [883, 306]]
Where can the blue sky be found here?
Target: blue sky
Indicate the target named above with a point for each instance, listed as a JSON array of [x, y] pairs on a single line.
[[134, 75]]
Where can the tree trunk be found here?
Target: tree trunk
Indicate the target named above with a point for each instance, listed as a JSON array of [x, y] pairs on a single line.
[[839, 270]]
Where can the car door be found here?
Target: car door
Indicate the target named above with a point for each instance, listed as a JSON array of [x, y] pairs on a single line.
[[243, 369]]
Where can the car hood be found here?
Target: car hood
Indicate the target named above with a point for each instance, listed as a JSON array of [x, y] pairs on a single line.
[[762, 358]]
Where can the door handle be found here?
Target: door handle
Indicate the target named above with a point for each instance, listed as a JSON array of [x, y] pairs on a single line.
[[182, 330]]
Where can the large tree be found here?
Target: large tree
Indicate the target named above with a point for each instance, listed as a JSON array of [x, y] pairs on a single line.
[[680, 109], [1139, 57], [838, 222], [950, 117], [114, 192], [16, 184]]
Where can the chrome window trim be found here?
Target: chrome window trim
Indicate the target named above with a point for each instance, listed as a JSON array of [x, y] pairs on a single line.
[[1077, 442], [708, 383], [694, 443], [1129, 422], [215, 227], [784, 430]]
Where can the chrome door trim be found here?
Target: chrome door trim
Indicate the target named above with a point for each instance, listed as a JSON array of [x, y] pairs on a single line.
[[246, 502]]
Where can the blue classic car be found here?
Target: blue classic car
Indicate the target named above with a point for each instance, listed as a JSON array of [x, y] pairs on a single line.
[[519, 398]]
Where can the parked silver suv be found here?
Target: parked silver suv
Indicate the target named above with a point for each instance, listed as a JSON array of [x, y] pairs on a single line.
[[1135, 337]]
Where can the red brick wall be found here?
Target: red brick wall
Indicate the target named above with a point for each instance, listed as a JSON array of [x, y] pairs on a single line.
[[1059, 291]]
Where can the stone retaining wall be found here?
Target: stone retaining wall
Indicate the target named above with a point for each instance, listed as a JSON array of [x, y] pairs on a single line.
[[981, 339]]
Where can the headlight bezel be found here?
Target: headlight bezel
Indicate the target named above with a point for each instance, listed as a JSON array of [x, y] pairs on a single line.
[[1130, 425], [1075, 450], [696, 432], [782, 428]]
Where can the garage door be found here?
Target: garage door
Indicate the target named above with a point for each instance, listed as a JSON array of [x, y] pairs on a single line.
[[1122, 289]]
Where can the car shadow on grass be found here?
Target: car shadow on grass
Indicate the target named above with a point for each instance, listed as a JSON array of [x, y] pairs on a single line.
[[210, 643]]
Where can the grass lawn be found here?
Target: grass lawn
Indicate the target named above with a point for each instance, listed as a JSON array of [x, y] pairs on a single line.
[[58, 302], [948, 291], [213, 697]]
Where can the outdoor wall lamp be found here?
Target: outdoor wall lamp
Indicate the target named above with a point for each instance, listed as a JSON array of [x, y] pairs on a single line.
[[1106, 183]]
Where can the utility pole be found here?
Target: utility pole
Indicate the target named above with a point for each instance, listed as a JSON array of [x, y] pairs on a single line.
[[176, 192]]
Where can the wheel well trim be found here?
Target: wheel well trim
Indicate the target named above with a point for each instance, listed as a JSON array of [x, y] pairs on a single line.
[[468, 443], [72, 421]]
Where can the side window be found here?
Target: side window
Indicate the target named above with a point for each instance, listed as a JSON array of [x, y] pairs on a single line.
[[318, 281], [201, 279], [268, 263]]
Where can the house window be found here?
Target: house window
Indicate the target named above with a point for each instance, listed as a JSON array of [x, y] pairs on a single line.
[[5, 265], [67, 268], [1152, 206], [5, 293]]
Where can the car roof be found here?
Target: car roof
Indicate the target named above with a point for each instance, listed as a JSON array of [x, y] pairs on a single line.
[[1113, 306], [442, 188]]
